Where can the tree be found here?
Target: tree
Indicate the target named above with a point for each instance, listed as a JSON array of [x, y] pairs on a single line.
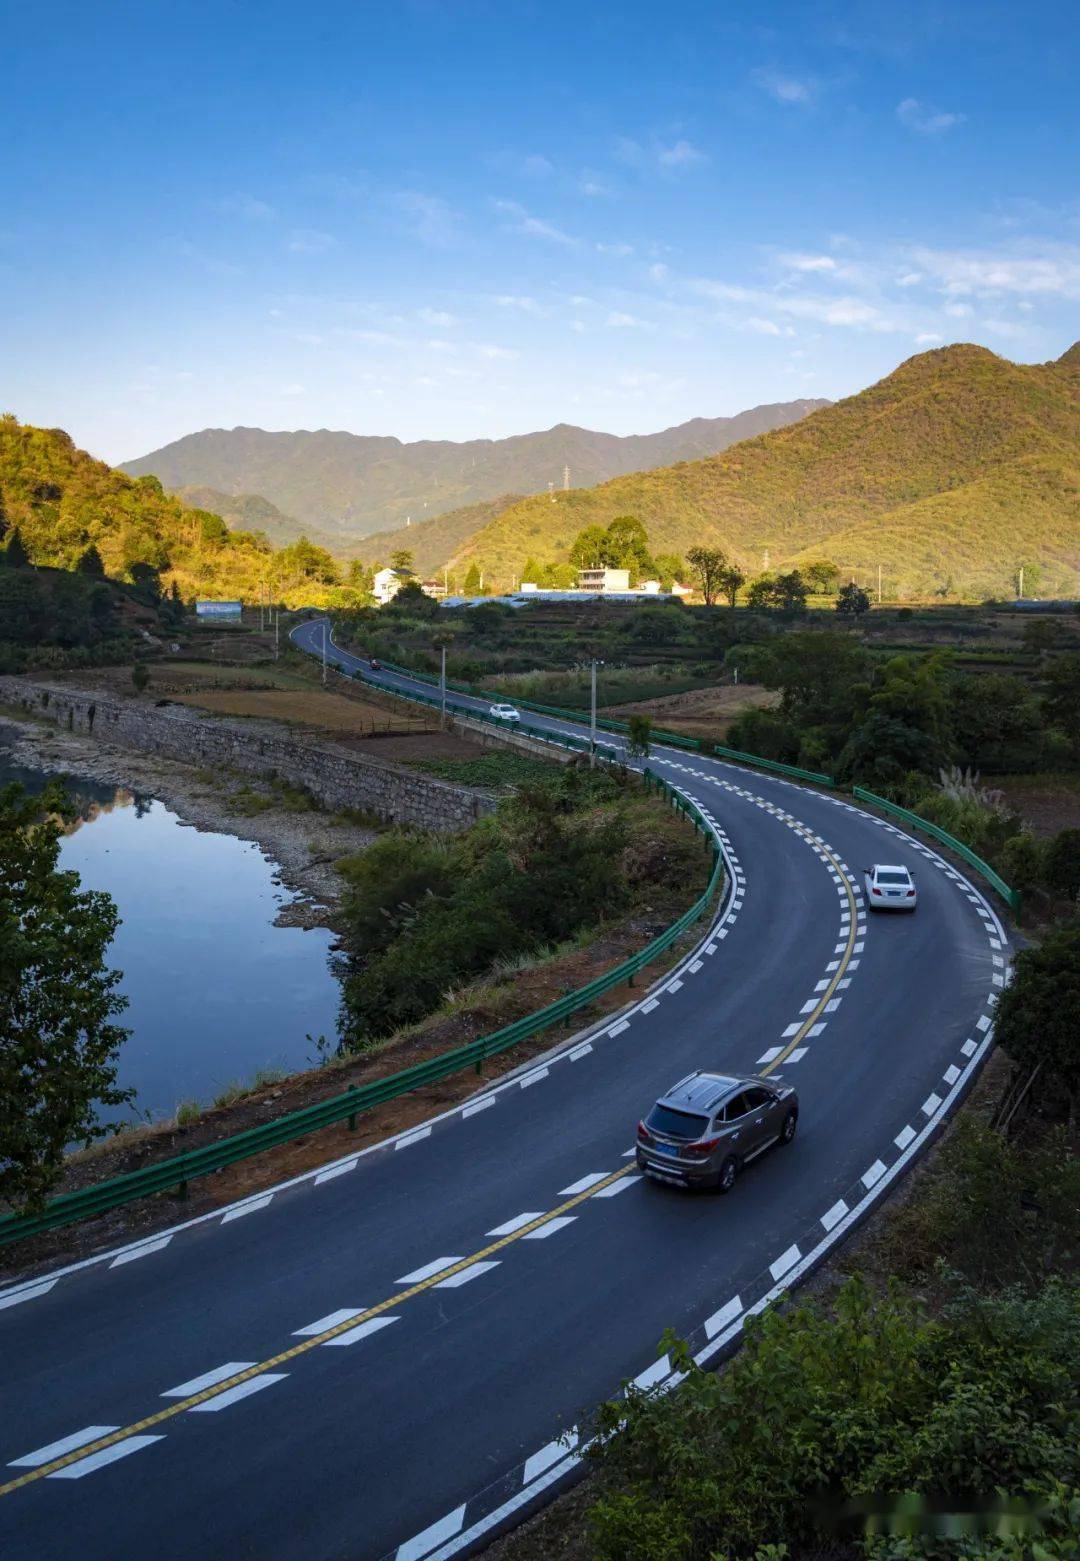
[[15, 554], [402, 560], [90, 563], [472, 580], [821, 576], [670, 569], [589, 549], [58, 1044], [1038, 1016], [146, 578], [639, 736], [731, 580], [140, 676], [708, 564], [852, 602], [1061, 697], [531, 571], [789, 593]]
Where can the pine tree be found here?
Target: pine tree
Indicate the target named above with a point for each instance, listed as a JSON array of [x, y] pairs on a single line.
[[15, 554], [90, 563]]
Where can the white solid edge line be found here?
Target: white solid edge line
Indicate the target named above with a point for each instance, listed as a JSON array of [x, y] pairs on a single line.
[[542, 1460], [237, 1211]]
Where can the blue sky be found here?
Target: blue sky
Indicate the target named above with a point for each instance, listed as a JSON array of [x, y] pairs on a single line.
[[460, 220]]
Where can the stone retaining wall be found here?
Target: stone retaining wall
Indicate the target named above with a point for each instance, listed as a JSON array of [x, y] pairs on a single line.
[[335, 777]]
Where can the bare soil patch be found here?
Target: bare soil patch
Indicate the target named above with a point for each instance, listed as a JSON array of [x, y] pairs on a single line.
[[702, 712], [1048, 803], [309, 708]]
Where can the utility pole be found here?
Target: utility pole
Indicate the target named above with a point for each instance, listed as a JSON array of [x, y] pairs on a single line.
[[592, 719], [324, 652], [277, 633], [442, 689], [1020, 587], [879, 585], [566, 479]]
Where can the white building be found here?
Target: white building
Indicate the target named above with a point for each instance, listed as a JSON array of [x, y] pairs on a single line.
[[603, 579], [386, 584]]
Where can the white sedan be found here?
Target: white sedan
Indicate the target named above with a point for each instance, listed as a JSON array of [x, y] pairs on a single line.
[[505, 713], [890, 889]]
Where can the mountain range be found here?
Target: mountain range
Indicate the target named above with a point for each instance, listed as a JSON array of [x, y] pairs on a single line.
[[350, 485], [949, 474]]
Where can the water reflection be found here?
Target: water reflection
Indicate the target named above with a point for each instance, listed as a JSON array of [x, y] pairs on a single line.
[[216, 992]]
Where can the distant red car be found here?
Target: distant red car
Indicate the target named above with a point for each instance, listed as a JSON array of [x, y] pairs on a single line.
[[376, 666]]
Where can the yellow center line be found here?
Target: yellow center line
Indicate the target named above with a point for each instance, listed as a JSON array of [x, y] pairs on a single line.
[[812, 1019], [183, 1405]]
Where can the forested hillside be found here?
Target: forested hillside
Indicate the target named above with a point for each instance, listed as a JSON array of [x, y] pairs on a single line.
[[69, 511], [352, 485], [951, 473]]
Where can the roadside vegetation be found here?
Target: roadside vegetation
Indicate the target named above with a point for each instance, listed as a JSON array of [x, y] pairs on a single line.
[[567, 853]]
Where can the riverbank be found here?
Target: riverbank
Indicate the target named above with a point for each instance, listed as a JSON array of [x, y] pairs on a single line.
[[302, 843]]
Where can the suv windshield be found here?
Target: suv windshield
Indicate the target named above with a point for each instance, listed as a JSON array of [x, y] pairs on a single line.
[[900, 878], [676, 1124]]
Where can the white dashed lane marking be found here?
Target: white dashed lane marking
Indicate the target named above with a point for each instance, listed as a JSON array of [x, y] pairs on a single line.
[[516, 1223], [130, 1444], [208, 1379], [67, 1444], [361, 1331], [544, 1231], [265, 1379], [436, 1266]]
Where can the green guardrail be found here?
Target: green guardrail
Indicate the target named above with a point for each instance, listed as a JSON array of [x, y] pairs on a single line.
[[609, 724], [1012, 897], [181, 1169]]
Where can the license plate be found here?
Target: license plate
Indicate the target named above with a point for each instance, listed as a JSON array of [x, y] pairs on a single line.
[[671, 1149]]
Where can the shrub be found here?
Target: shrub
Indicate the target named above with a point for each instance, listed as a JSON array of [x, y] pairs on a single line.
[[1022, 861], [1062, 864]]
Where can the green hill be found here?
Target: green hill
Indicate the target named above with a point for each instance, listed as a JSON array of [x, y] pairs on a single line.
[[432, 542], [63, 501], [249, 512], [351, 485], [950, 473]]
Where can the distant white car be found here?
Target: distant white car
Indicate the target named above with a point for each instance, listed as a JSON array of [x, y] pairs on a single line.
[[505, 713], [890, 888]]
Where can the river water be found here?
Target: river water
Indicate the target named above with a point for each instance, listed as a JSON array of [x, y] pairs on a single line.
[[215, 991]]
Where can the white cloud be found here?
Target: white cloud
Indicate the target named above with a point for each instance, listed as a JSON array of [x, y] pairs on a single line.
[[437, 317], [765, 327], [620, 321], [924, 120], [796, 262], [787, 89], [659, 272], [438, 345], [309, 338], [844, 311], [657, 154], [428, 218], [1023, 304], [579, 326], [526, 304], [924, 338], [681, 154], [487, 351], [293, 390], [533, 227], [587, 185], [909, 279], [309, 241], [1056, 271], [245, 206], [1007, 328], [959, 311], [536, 166], [621, 250]]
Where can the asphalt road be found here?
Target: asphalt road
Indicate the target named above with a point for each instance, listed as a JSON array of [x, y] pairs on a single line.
[[478, 1285]]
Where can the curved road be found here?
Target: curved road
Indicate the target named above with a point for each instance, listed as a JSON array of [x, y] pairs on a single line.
[[377, 1358]]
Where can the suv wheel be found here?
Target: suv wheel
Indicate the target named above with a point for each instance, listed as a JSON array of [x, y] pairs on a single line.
[[729, 1172], [787, 1131]]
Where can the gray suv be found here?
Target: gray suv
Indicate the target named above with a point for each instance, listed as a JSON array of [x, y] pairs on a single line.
[[702, 1132]]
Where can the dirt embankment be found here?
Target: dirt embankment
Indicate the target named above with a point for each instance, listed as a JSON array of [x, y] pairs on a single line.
[[701, 712]]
